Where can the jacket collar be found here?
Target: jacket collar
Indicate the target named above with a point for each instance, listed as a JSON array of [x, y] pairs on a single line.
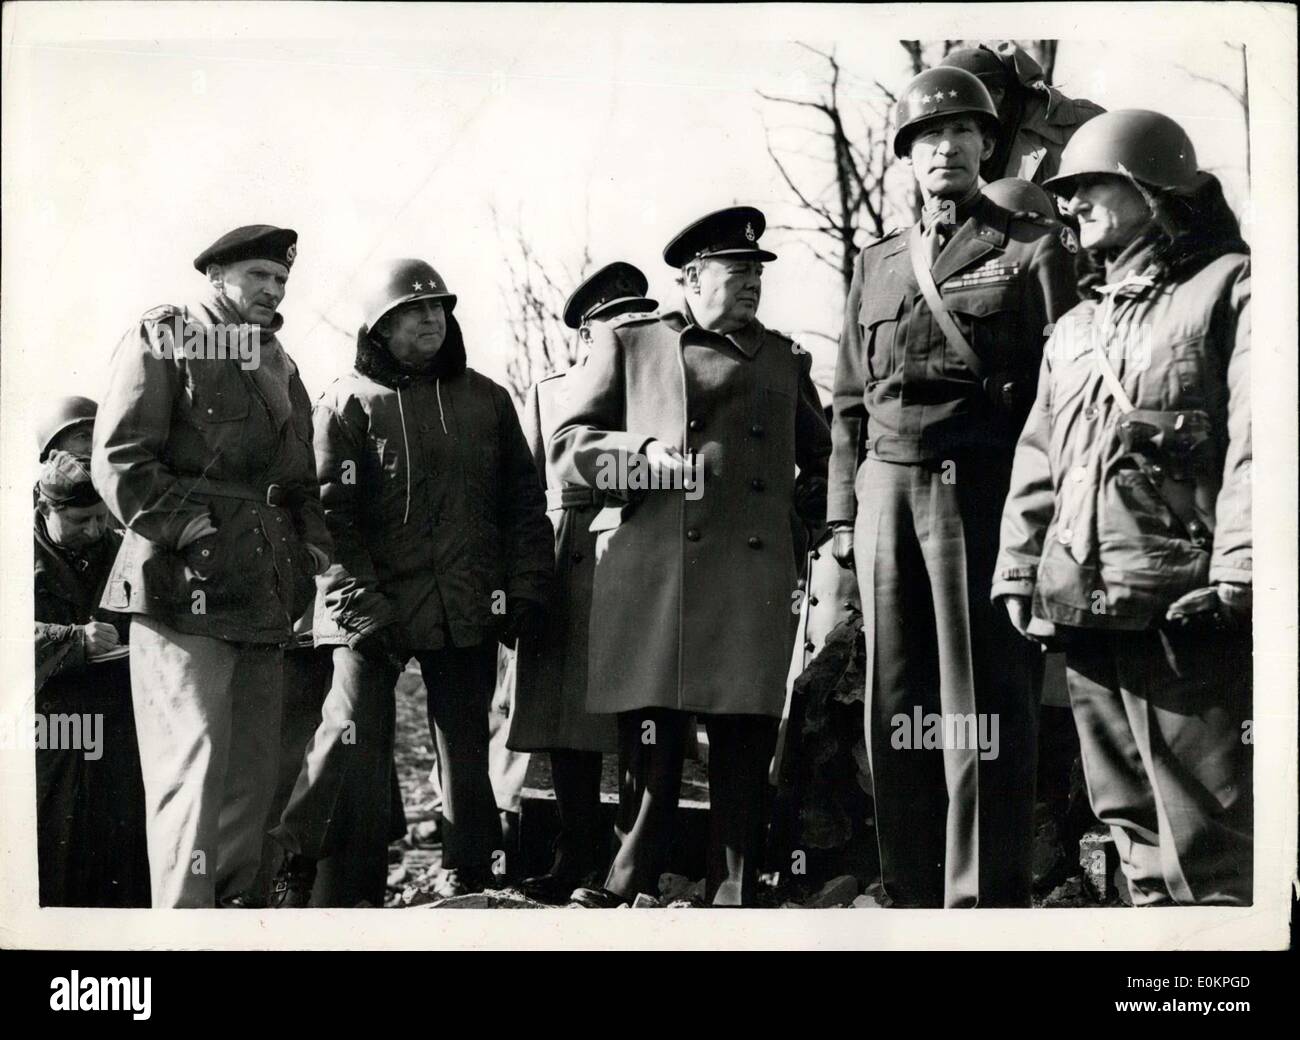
[[983, 230], [216, 309], [375, 362], [747, 339], [68, 575]]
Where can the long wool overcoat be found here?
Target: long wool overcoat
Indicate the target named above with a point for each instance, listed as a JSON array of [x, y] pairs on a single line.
[[694, 587]]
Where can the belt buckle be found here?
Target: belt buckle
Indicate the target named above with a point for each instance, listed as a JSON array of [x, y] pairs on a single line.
[[273, 492]]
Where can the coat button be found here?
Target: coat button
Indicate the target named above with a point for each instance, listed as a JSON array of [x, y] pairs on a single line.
[[696, 425], [812, 601], [816, 554], [576, 557], [758, 484], [848, 604], [810, 646], [755, 542], [692, 535], [1157, 470], [756, 430], [1090, 412]]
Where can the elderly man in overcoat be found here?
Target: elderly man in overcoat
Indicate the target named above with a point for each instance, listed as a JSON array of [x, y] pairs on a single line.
[[697, 419]]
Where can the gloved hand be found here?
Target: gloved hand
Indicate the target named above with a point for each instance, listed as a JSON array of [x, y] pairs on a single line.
[[525, 618], [1223, 606], [842, 546], [387, 645]]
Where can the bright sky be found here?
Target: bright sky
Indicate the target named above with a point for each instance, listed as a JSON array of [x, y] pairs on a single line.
[[136, 134]]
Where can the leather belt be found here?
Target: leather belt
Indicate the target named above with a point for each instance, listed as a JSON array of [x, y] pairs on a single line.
[[276, 495], [572, 496]]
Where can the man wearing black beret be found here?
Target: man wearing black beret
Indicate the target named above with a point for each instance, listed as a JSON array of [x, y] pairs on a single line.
[[204, 453], [695, 568]]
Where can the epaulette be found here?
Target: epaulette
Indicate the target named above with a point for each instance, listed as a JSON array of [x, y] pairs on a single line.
[[167, 310], [631, 318], [891, 233]]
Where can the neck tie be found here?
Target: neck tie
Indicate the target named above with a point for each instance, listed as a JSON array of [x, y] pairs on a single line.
[[940, 216]]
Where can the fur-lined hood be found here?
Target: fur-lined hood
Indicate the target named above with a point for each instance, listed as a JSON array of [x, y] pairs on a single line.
[[375, 362]]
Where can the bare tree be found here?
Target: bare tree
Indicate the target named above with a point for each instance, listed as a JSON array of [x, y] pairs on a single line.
[[853, 197], [1241, 95], [534, 295]]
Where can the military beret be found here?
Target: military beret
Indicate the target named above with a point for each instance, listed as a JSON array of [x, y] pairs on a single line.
[[615, 288], [254, 242], [65, 480], [730, 232]]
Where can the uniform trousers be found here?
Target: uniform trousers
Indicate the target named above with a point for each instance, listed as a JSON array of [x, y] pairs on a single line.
[[1167, 760], [652, 747], [207, 718], [339, 812], [954, 820], [580, 845]]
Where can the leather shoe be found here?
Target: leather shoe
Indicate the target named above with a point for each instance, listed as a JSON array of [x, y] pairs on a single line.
[[548, 888], [597, 899], [293, 883]]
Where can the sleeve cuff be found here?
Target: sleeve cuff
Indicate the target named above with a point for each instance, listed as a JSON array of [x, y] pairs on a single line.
[[198, 527], [1011, 587]]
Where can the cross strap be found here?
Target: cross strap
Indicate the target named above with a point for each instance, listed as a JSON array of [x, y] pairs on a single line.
[[921, 268]]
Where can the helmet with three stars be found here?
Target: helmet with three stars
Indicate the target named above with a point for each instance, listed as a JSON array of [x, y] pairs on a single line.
[[940, 93], [390, 283], [1135, 143]]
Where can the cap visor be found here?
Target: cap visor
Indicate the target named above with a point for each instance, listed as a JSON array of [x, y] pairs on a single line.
[[742, 254]]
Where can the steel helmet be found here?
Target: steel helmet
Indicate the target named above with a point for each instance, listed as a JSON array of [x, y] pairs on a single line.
[[1020, 196], [391, 283], [1131, 142], [937, 94], [62, 414]]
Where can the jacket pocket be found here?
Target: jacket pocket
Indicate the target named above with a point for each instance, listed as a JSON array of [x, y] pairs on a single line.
[[986, 315], [878, 317], [1141, 543]]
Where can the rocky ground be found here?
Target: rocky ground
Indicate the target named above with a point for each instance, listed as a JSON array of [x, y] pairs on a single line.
[[416, 859]]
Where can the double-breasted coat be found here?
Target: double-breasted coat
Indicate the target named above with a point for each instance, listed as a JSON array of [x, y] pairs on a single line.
[[693, 587], [549, 710]]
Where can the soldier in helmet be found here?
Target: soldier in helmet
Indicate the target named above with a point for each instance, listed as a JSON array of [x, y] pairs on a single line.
[[1035, 119], [695, 566], [68, 425], [549, 711], [203, 451], [943, 333], [1126, 538], [443, 548]]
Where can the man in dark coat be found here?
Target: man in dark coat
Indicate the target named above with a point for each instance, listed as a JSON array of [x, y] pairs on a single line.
[[929, 399], [550, 711], [90, 798], [203, 452], [443, 548], [694, 421]]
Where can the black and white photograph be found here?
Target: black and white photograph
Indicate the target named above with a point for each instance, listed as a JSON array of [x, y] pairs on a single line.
[[629, 462]]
